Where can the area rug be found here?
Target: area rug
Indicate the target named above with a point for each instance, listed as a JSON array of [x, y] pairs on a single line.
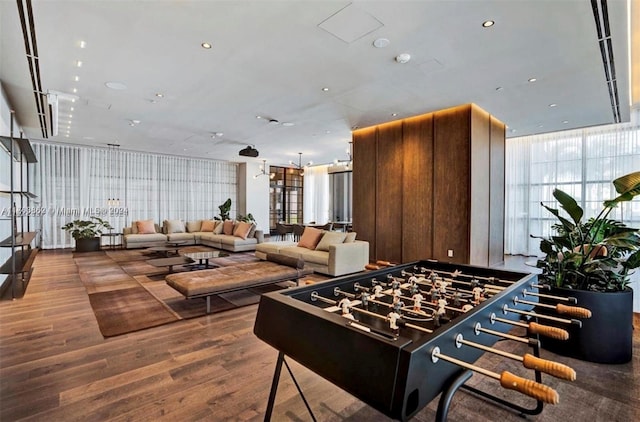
[[127, 294]]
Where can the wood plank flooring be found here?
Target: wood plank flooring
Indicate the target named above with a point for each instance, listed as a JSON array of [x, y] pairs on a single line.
[[56, 366]]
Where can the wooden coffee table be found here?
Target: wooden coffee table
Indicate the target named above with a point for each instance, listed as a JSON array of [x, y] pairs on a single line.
[[170, 262], [164, 251]]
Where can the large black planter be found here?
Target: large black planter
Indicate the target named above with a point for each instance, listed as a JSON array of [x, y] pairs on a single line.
[[606, 337], [88, 245]]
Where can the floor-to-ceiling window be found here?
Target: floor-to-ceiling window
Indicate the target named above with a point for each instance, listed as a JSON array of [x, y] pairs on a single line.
[[75, 182]]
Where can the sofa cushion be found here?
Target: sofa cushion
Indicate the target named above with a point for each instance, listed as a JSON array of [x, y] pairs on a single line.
[[208, 225], [330, 238], [173, 226], [145, 227], [189, 237], [285, 260], [315, 257], [252, 232], [234, 240], [218, 228], [227, 228], [242, 229], [194, 226], [350, 238], [310, 238], [145, 238]]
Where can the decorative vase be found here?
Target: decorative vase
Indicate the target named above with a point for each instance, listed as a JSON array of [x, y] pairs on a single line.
[[88, 245], [606, 337]]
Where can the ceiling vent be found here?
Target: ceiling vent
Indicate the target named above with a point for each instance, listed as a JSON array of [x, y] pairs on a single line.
[[601, 16]]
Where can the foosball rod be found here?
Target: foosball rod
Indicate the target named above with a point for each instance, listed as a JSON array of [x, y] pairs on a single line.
[[574, 311], [431, 305], [452, 280], [530, 341], [507, 379], [577, 322], [461, 274], [529, 361], [535, 328], [569, 299]]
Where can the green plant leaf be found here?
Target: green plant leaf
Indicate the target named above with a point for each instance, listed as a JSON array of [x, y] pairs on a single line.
[[633, 261], [568, 225], [569, 205]]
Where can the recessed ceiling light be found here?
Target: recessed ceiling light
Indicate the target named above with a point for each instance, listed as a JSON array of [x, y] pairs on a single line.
[[488, 24], [553, 105], [258, 117], [75, 90], [118, 86], [394, 114], [83, 44], [66, 136], [381, 43], [288, 124], [72, 109], [71, 116], [159, 95], [565, 121], [540, 125], [499, 88], [325, 89], [79, 63], [532, 79], [206, 45], [76, 78]]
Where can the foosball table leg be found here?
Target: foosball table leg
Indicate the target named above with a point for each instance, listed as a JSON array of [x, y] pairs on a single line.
[[521, 410], [448, 392], [274, 388]]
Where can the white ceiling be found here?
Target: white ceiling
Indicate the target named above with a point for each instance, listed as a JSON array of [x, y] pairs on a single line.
[[272, 59]]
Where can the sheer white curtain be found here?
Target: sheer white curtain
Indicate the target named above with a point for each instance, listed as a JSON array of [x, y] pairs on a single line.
[[580, 162], [316, 194], [74, 182]]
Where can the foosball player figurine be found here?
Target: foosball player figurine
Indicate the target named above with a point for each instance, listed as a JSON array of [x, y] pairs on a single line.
[[443, 287], [434, 294], [393, 318], [417, 302], [413, 280], [441, 311], [377, 291], [477, 294], [467, 307], [344, 304], [364, 297], [456, 298]]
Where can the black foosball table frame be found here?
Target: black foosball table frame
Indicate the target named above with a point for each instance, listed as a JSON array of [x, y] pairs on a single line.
[[398, 372]]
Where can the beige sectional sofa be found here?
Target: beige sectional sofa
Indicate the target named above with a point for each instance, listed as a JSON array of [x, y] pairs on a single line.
[[332, 253], [236, 237]]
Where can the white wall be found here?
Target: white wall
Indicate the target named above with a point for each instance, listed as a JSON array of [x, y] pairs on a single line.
[[253, 194]]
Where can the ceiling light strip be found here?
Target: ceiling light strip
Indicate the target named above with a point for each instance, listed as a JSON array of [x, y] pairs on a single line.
[[601, 17]]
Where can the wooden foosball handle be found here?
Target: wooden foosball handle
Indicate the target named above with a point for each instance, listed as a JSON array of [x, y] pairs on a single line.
[[548, 331], [371, 267], [384, 263], [530, 388], [574, 311], [550, 367]]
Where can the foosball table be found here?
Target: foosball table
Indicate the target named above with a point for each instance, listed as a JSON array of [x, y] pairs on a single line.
[[397, 337]]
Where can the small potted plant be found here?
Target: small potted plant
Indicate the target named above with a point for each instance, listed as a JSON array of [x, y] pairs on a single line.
[[87, 233], [592, 260]]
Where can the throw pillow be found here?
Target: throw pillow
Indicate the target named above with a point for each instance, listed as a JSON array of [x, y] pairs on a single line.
[[208, 225], [228, 227], [242, 229], [252, 232], [351, 237], [146, 227], [173, 226], [330, 238], [310, 238], [218, 228], [194, 226]]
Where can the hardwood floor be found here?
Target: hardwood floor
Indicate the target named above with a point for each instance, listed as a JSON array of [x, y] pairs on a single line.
[[56, 366]]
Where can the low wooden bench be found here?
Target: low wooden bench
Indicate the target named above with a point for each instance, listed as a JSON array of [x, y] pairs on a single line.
[[206, 283]]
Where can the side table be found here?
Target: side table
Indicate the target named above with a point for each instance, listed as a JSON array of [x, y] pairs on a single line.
[[113, 242]]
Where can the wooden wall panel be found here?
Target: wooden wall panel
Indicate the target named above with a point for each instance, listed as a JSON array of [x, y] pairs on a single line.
[[497, 187], [389, 187], [364, 186], [451, 155], [479, 193], [417, 176]]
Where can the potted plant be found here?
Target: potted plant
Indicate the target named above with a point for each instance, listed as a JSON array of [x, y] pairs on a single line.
[[224, 210], [87, 233], [592, 260]]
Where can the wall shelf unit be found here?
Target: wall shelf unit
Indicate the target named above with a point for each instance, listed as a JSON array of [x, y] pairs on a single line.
[[16, 219]]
